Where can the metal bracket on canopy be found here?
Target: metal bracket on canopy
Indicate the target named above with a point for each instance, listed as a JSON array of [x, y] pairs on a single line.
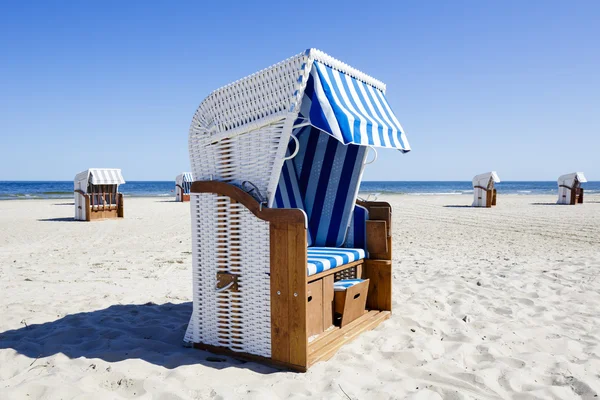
[[374, 158], [296, 150], [375, 197], [305, 122]]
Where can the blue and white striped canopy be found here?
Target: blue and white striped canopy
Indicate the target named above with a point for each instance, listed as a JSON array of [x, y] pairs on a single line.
[[187, 177], [351, 111]]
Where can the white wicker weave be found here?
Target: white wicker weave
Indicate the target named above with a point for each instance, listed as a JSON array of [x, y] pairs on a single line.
[[238, 320]]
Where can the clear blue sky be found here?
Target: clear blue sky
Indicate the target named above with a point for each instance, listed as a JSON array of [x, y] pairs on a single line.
[[512, 86]]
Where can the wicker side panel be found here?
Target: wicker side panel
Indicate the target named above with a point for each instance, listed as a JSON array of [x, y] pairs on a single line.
[[255, 156], [227, 238]]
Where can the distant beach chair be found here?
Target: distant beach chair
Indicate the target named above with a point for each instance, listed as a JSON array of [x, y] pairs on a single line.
[[183, 183], [97, 194], [484, 193], [569, 188], [288, 264]]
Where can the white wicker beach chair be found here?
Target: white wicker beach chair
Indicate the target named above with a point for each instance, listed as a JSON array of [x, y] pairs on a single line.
[[97, 194], [569, 188], [277, 160], [183, 184], [484, 193]]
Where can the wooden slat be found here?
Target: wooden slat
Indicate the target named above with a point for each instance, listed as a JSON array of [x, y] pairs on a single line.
[[297, 286], [381, 213], [379, 273], [289, 340], [348, 334], [280, 332], [327, 301], [120, 206], [377, 235], [88, 208], [314, 308], [377, 210]]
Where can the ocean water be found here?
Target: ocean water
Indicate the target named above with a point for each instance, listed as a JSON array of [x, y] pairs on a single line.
[[10, 190]]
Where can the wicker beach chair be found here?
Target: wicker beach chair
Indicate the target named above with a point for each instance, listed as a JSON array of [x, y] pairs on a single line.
[[183, 184], [97, 194], [569, 188], [484, 193], [277, 160]]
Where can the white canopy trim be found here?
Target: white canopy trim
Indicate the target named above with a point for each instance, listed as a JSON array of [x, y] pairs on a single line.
[[184, 177], [98, 176], [484, 179], [570, 179]]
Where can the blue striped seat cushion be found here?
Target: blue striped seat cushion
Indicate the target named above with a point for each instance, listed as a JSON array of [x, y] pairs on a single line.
[[325, 258], [344, 284]]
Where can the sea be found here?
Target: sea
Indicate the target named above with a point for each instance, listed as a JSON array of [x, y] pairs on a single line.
[[11, 190]]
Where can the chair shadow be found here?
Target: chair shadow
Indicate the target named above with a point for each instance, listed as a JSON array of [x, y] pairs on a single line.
[[458, 206], [60, 219], [546, 204], [150, 332], [64, 204]]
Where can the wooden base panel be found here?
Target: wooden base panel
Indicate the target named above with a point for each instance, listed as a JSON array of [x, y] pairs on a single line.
[[321, 349], [106, 214], [249, 357], [325, 346]]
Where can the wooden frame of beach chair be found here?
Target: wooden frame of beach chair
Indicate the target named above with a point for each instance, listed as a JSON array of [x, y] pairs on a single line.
[[183, 183], [570, 191], [265, 253], [97, 194], [484, 193]]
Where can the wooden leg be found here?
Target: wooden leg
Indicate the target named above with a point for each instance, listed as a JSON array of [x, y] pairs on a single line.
[[314, 308], [379, 273], [327, 301]]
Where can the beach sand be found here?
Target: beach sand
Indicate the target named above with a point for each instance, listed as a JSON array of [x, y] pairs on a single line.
[[488, 303]]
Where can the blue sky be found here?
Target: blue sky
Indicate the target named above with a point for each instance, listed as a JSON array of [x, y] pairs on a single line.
[[512, 86]]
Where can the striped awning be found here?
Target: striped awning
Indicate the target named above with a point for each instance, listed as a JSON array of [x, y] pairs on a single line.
[[105, 176], [187, 177], [350, 110]]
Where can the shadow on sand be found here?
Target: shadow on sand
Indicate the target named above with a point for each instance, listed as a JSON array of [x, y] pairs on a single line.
[[459, 206], [61, 219], [150, 332], [546, 204], [64, 204]]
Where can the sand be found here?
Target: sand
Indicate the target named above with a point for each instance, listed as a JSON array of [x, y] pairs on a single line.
[[500, 303]]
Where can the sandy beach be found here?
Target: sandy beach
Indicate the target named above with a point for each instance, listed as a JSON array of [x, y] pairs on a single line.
[[488, 303]]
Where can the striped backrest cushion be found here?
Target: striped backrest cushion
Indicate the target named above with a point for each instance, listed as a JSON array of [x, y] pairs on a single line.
[[288, 193], [329, 174]]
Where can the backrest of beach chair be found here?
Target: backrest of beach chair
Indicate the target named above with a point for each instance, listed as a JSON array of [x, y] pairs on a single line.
[[323, 179]]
